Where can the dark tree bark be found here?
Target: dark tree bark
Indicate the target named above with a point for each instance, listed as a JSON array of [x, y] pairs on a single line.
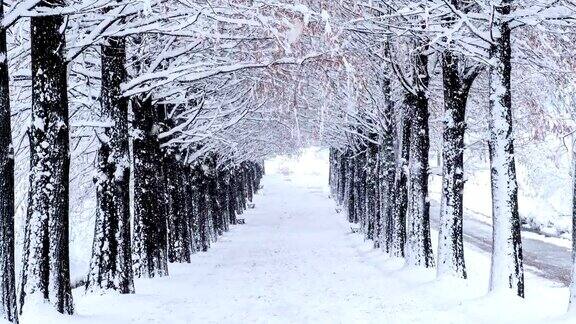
[[371, 185], [349, 195], [8, 309], [240, 193], [202, 216], [259, 174], [342, 178], [150, 226], [189, 205], [212, 206], [360, 190], [231, 193], [175, 191], [507, 270], [386, 166], [111, 264], [223, 180], [397, 226], [418, 243], [178, 220], [249, 181], [196, 194], [45, 269]]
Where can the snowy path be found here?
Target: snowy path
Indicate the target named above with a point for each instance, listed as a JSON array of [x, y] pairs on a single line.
[[295, 261], [292, 262]]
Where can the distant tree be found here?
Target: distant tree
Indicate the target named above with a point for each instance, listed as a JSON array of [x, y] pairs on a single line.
[[150, 246]]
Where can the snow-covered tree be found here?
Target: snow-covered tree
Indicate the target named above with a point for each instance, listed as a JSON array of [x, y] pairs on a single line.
[[458, 74], [46, 269]]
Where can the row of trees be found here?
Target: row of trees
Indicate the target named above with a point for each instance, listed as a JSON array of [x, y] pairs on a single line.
[[163, 189], [198, 203], [177, 97], [380, 167]]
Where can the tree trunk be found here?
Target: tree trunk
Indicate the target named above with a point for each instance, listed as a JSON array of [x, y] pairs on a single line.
[[223, 199], [189, 203], [371, 185], [178, 220], [201, 210], [8, 309], [342, 177], [507, 268], [331, 174], [397, 227], [204, 216], [150, 232], [46, 270], [387, 168], [195, 193], [231, 193], [111, 264], [240, 190], [350, 195], [212, 205], [418, 243], [249, 181], [360, 190], [451, 242]]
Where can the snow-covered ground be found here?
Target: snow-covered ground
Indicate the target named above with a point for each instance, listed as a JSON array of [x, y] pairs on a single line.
[[296, 261]]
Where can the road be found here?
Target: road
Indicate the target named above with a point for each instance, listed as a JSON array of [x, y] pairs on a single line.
[[546, 259]]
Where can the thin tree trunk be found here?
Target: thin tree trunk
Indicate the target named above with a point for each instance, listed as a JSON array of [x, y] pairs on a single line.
[[371, 185], [249, 181], [331, 165], [201, 210], [46, 270], [397, 227], [342, 178], [8, 309], [350, 195], [360, 190], [189, 200], [240, 193], [196, 189], [387, 167], [231, 196]]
